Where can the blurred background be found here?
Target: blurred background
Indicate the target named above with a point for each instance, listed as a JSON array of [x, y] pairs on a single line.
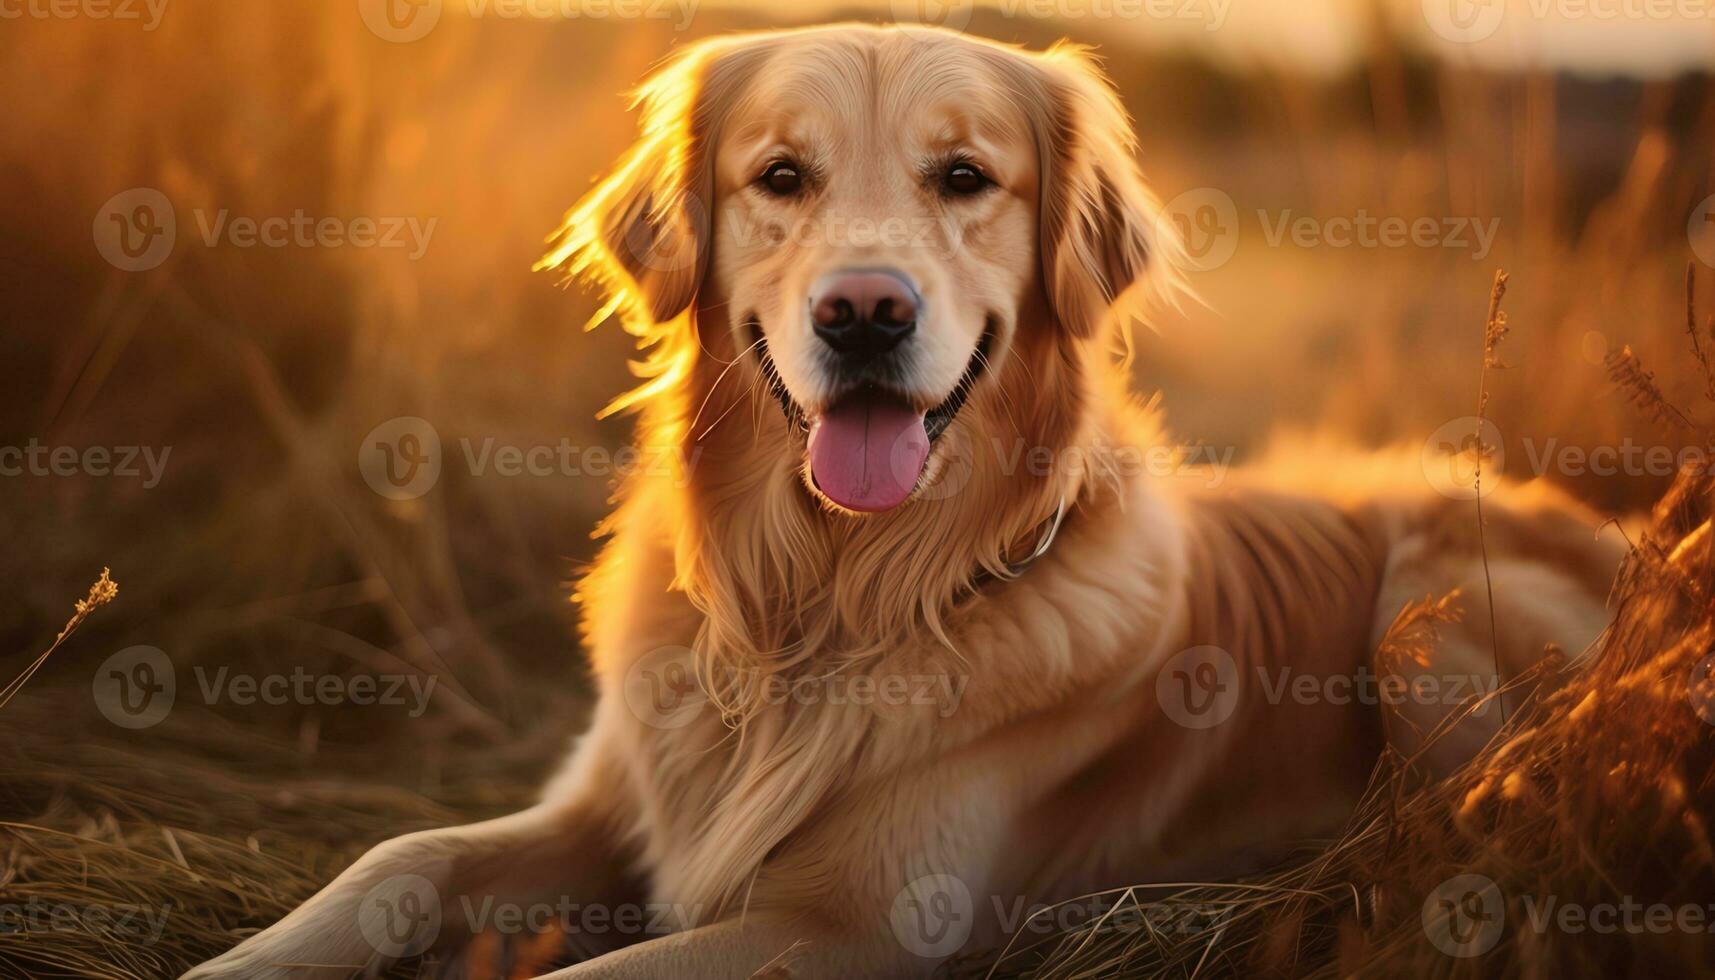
[[1570, 143]]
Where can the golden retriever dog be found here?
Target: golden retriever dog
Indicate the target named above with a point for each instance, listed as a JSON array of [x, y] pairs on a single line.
[[922, 635]]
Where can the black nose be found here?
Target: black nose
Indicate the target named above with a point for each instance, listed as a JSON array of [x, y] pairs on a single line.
[[864, 313]]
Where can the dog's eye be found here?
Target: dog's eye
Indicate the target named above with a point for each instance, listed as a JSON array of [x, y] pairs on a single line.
[[781, 179], [963, 180]]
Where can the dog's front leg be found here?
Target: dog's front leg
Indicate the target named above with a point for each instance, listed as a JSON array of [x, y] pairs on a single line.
[[737, 949], [430, 892]]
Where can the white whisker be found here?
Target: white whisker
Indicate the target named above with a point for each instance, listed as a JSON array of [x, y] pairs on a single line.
[[714, 387]]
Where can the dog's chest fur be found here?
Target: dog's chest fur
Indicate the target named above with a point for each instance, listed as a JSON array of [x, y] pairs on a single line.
[[1050, 728]]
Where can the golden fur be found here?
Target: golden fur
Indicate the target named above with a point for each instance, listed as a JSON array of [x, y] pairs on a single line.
[[1041, 764]]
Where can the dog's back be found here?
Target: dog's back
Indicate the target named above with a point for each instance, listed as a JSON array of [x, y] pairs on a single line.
[[1325, 563]]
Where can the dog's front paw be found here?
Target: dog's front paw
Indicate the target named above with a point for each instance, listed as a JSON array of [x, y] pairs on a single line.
[[317, 950], [239, 964], [485, 956]]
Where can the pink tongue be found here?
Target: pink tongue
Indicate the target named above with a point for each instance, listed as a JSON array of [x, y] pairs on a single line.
[[867, 452]]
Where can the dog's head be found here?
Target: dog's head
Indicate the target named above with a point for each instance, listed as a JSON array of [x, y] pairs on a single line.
[[878, 222]]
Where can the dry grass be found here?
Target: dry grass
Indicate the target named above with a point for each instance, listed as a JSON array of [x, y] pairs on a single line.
[[104, 591], [110, 832]]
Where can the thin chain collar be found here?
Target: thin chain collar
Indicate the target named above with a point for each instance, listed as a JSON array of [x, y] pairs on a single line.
[[1050, 530]]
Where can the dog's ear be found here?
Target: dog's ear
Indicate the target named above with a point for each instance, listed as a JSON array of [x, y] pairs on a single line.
[[1106, 250], [642, 233]]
